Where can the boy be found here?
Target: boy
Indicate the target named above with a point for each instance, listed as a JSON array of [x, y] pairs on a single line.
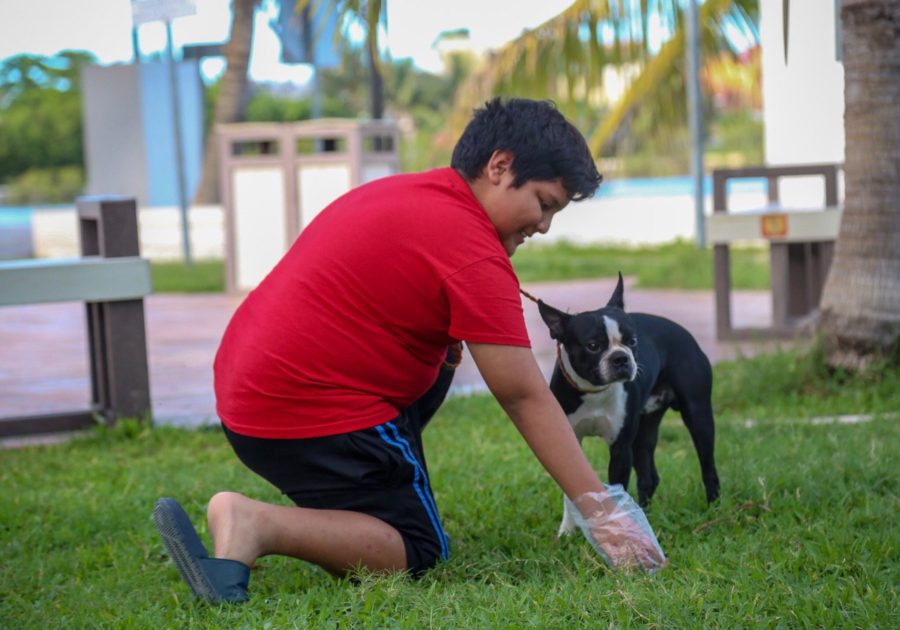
[[333, 365]]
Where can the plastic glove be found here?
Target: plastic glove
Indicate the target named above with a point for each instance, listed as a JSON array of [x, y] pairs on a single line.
[[617, 529]]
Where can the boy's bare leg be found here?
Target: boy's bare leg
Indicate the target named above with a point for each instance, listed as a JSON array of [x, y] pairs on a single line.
[[244, 529]]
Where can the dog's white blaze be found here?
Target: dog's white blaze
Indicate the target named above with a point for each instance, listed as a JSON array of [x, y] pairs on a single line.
[[601, 413], [612, 331], [614, 335]]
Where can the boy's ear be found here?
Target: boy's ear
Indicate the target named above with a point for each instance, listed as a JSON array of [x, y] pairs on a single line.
[[499, 163], [618, 296], [556, 320]]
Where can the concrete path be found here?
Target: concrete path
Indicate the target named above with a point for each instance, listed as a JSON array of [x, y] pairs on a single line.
[[43, 355]]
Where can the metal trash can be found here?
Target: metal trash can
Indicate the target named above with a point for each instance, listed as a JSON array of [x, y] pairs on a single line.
[[276, 177]]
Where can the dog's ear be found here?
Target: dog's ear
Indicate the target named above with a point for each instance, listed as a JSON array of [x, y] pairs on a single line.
[[618, 296], [556, 320]]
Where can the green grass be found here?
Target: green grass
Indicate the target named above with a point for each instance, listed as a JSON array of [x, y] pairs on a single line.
[[805, 534], [203, 276], [676, 265]]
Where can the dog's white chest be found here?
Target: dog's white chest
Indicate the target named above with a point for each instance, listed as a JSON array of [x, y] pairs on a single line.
[[601, 414]]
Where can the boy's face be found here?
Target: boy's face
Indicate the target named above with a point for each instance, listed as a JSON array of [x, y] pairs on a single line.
[[518, 213]]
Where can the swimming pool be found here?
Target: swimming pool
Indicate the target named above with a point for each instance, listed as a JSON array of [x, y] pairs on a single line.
[[673, 187], [14, 217], [20, 216]]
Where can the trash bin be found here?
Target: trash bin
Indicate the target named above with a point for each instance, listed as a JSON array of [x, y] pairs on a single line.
[[276, 177]]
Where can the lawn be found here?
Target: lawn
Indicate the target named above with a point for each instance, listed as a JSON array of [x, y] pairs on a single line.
[[202, 276], [805, 534], [677, 265]]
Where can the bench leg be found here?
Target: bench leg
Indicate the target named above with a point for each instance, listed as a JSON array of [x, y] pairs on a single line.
[[722, 278], [117, 348]]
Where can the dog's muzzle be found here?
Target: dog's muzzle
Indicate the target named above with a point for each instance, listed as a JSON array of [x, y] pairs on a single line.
[[618, 366]]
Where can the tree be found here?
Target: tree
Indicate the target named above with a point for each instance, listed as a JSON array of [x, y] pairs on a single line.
[[860, 309], [40, 112], [231, 99], [372, 14], [565, 58]]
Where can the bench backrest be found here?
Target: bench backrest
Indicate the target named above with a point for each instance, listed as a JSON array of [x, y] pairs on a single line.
[[86, 279]]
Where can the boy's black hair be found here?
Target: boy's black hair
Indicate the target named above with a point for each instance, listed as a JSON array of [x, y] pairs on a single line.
[[545, 146]]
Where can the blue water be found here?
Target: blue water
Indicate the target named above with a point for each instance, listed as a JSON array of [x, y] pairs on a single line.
[[14, 217], [20, 216], [672, 187]]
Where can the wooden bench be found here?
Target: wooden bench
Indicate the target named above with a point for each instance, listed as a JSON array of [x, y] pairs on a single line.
[[801, 246], [111, 280]]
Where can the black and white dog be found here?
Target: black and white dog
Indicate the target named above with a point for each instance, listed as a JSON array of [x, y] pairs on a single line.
[[615, 377]]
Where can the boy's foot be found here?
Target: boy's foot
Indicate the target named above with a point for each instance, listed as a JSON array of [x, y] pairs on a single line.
[[215, 580]]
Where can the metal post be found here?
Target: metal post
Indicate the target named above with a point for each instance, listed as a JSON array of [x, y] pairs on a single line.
[[179, 151], [695, 115]]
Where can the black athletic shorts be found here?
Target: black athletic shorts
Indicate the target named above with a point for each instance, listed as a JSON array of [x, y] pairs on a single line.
[[378, 471]]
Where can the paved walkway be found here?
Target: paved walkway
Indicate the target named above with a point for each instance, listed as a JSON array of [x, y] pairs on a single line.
[[43, 356]]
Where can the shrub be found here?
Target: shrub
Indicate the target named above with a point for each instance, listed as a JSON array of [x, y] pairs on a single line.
[[47, 185]]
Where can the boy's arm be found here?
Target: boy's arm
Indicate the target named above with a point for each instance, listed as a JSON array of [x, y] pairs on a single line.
[[515, 380]]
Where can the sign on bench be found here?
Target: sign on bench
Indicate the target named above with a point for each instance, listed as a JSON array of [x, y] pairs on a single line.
[[801, 244], [112, 280]]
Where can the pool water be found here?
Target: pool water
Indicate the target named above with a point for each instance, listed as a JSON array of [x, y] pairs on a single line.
[[673, 187], [20, 216], [14, 217]]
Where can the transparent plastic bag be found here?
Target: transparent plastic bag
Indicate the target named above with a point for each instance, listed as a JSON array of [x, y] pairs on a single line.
[[620, 523]]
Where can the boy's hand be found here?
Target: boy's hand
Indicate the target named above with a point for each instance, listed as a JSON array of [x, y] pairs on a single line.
[[617, 529], [615, 522]]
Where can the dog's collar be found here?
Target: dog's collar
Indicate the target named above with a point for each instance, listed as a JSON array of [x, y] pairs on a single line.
[[571, 381]]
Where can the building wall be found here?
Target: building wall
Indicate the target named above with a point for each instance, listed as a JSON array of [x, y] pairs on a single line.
[[128, 131], [114, 152], [157, 119], [803, 99]]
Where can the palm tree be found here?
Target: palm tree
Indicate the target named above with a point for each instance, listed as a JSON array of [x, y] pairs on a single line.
[[372, 14], [564, 59], [860, 309], [231, 99]]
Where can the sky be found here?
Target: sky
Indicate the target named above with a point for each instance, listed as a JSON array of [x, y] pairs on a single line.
[[104, 27]]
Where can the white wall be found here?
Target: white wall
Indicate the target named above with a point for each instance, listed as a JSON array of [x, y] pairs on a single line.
[[803, 100], [625, 220], [54, 232]]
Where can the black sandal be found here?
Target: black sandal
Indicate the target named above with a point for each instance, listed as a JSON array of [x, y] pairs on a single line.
[[215, 580]]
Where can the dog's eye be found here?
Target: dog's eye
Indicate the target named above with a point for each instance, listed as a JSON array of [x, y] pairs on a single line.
[[632, 342], [593, 346]]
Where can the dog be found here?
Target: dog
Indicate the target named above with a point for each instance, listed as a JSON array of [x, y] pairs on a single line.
[[615, 377]]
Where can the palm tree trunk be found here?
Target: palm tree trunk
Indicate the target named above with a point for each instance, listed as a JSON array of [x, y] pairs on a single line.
[[860, 310], [230, 102], [376, 84]]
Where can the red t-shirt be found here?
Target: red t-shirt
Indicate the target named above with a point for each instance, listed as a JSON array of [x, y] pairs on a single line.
[[352, 325]]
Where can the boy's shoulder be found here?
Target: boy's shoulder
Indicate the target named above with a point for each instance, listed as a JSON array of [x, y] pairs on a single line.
[[416, 192], [434, 179]]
